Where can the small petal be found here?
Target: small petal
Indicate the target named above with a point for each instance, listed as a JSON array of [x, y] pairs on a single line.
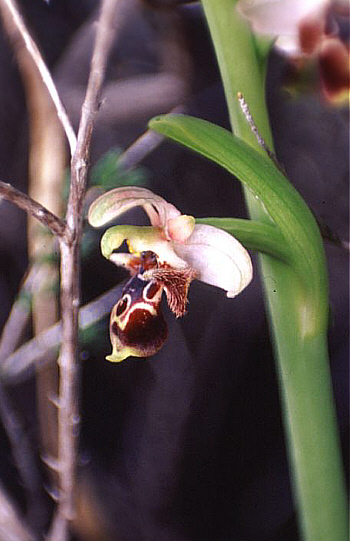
[[180, 228], [112, 204], [218, 258]]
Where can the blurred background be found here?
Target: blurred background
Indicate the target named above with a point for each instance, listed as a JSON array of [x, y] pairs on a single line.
[[188, 445]]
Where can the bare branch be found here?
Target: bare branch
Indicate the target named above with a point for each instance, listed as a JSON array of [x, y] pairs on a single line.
[[112, 14], [22, 453], [144, 145], [19, 316], [20, 365], [9, 8], [68, 413], [137, 151], [11, 525], [24, 202]]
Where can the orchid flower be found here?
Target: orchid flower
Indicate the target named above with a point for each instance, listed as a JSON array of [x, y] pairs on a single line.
[[285, 20], [301, 31], [170, 253]]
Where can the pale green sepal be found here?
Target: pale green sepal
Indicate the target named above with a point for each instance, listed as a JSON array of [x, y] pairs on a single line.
[[114, 237]]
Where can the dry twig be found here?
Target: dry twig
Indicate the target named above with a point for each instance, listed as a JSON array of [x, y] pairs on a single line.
[[69, 233], [23, 201], [144, 145], [20, 365], [12, 527], [22, 454], [18, 30], [70, 268], [20, 314]]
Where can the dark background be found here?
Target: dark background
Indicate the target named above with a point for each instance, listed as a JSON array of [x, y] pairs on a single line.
[[188, 445]]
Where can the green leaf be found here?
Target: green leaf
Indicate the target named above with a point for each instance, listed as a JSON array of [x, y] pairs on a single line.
[[283, 203], [254, 235]]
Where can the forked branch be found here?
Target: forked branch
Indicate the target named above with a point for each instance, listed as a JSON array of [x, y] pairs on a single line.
[[68, 415], [69, 233]]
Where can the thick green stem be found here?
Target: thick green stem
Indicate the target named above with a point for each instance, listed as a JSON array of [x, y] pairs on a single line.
[[302, 361]]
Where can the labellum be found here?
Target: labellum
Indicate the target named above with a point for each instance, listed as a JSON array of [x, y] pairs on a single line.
[[137, 325]]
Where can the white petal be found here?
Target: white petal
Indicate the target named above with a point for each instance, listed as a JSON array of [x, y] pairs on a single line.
[[281, 18], [115, 202], [278, 17], [218, 258]]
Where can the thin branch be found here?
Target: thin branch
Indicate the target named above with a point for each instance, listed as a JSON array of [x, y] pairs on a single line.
[[11, 525], [20, 365], [326, 232], [112, 14], [68, 413], [25, 37], [24, 202], [19, 316], [144, 145], [22, 454]]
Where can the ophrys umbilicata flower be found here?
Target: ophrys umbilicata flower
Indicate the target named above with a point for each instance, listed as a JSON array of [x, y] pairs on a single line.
[[167, 255]]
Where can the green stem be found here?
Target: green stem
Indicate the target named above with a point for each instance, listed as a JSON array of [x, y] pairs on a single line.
[[302, 361]]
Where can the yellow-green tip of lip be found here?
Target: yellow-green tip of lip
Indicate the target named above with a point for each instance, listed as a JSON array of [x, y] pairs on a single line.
[[119, 357], [124, 353], [116, 359]]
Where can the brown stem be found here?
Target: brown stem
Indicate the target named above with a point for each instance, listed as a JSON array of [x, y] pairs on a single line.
[[19, 316], [68, 412], [69, 233], [38, 352], [70, 274], [22, 454], [11, 524], [108, 24], [23, 201], [19, 34], [144, 145]]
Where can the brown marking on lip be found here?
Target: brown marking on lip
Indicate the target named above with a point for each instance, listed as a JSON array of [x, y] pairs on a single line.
[[144, 332]]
